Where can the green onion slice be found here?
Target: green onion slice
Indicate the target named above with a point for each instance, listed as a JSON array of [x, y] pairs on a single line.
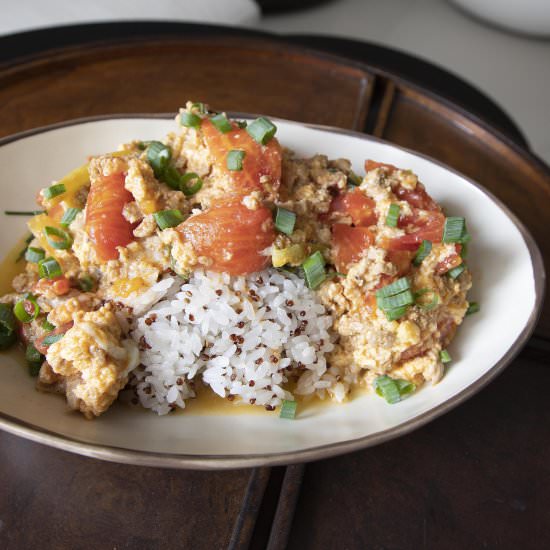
[[58, 238], [26, 310], [314, 270], [52, 339], [221, 123], [34, 255], [285, 220], [190, 120], [353, 180], [393, 215], [422, 303], [405, 298], [394, 288], [86, 283], [234, 160], [473, 307], [456, 271], [32, 355], [23, 213], [423, 251], [171, 176], [188, 191], [396, 313], [288, 409], [69, 216], [54, 190], [48, 268], [392, 390], [21, 254], [200, 107], [158, 156], [8, 325], [261, 130], [168, 218], [454, 230], [47, 326], [242, 124], [444, 356]]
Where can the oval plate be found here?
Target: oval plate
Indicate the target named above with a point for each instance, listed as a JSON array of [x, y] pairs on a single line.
[[508, 282]]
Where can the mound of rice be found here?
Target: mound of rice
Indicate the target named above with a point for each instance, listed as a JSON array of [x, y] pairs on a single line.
[[244, 337]]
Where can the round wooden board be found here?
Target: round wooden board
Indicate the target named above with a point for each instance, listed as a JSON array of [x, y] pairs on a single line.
[[97, 70]]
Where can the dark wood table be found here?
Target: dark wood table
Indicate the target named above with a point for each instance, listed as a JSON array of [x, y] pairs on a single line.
[[478, 477]]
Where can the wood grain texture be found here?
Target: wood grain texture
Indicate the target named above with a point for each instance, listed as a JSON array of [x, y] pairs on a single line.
[[479, 477]]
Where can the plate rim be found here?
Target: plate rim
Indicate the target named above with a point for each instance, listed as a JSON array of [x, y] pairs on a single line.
[[109, 453]]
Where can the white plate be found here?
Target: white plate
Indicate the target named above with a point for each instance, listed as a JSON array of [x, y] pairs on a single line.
[[508, 282]]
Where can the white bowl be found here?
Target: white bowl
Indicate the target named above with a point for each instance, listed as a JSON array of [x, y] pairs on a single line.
[[508, 282], [527, 16]]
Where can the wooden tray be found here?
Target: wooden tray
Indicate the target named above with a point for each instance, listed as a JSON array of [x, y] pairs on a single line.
[[379, 497]]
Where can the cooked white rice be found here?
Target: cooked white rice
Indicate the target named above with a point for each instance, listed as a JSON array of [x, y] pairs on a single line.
[[242, 336]]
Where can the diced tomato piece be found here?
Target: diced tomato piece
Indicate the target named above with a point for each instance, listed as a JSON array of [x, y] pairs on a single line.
[[372, 165], [259, 160], [232, 236], [105, 224], [60, 285], [421, 226], [417, 197], [39, 342], [402, 259], [451, 261], [349, 242], [356, 205]]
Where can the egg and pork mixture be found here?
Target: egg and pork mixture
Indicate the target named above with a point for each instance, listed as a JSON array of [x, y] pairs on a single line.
[[218, 257]]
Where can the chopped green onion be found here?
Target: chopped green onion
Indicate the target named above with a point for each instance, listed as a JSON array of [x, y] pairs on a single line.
[[391, 389], [464, 249], [185, 179], [394, 288], [314, 270], [393, 215], [261, 130], [52, 339], [21, 254], [404, 298], [429, 305], [473, 307], [34, 359], [190, 120], [8, 326], [200, 107], [234, 160], [54, 190], [444, 356], [423, 251], [86, 283], [396, 313], [168, 218], [285, 220], [62, 239], [353, 180], [158, 156], [456, 271], [221, 123], [49, 268], [288, 409], [142, 145], [242, 124], [22, 213], [21, 309], [454, 230], [47, 326], [34, 255], [69, 216], [171, 176]]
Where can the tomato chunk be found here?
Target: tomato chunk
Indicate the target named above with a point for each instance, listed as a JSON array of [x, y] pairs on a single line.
[[420, 226], [232, 236], [417, 197], [372, 164], [60, 285], [39, 342], [451, 261], [356, 205], [105, 224], [402, 259], [349, 242], [259, 160]]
